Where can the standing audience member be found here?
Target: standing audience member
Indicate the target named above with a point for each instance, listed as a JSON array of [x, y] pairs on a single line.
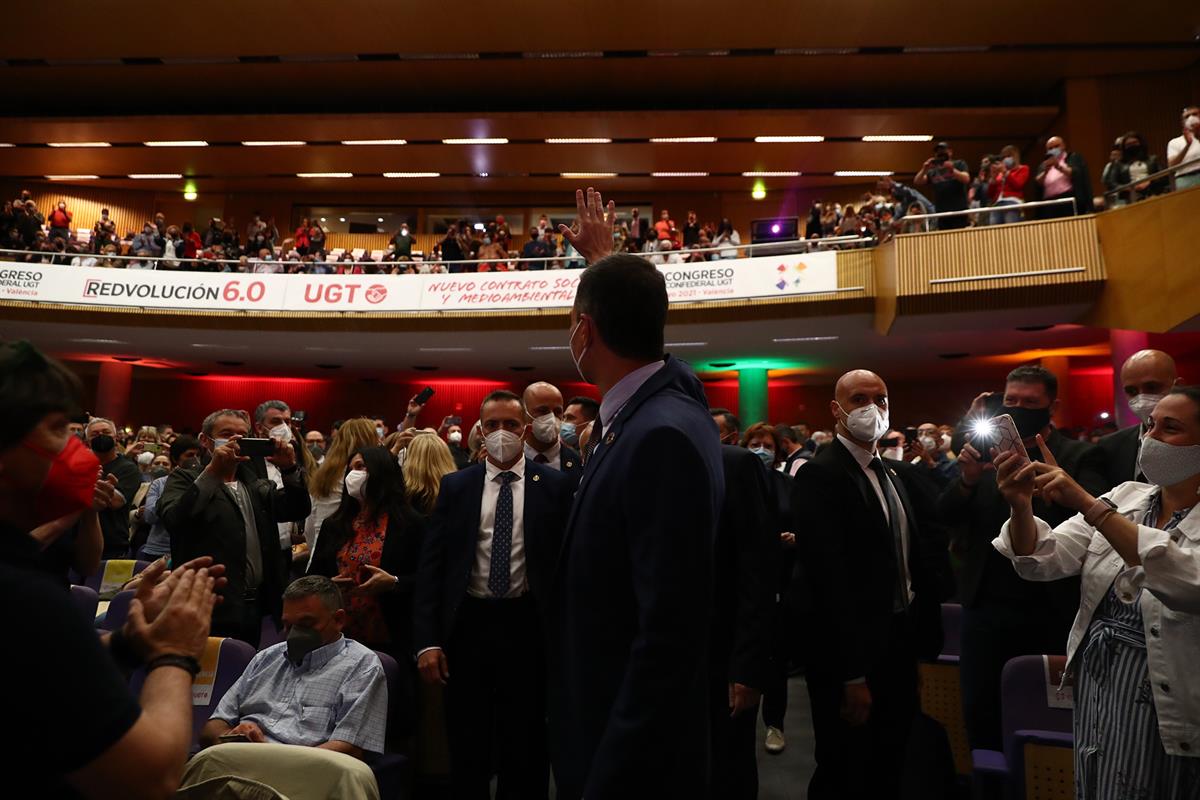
[[482, 589], [876, 576], [1007, 188], [948, 177], [457, 447], [115, 745], [228, 512], [726, 240], [1136, 166], [60, 221], [1133, 646], [370, 548], [1146, 377], [185, 453], [793, 453], [1063, 175], [630, 623], [114, 520], [426, 462], [326, 484], [745, 562], [765, 443], [1003, 616], [1184, 149]]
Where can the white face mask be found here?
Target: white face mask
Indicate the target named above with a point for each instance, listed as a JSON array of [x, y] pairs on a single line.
[[928, 442], [868, 423], [1168, 464], [578, 359], [545, 428], [454, 437], [379, 431], [946, 440], [1142, 404], [282, 432], [356, 483], [503, 446], [894, 453], [1191, 121]]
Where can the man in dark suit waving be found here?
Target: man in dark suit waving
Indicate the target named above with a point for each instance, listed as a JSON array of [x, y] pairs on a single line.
[[543, 443], [633, 586], [478, 607], [1146, 376], [876, 583]]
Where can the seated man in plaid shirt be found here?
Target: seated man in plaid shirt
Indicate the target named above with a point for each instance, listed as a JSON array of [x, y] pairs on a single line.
[[317, 689]]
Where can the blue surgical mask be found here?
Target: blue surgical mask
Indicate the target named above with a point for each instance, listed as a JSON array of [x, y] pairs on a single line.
[[569, 434], [1054, 152], [767, 456], [219, 443], [1009, 162]]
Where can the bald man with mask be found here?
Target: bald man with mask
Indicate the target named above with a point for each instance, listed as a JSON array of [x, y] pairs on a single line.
[[544, 411], [876, 582], [1146, 376]]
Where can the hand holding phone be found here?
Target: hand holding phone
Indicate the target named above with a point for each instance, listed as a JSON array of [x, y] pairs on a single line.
[[233, 737]]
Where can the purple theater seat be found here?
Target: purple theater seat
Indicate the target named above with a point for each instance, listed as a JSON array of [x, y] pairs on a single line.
[[391, 769], [232, 660], [87, 601], [93, 581], [118, 611], [1026, 716]]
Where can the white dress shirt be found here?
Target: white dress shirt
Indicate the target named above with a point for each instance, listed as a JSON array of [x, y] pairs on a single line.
[[553, 455], [285, 528], [477, 586], [864, 460]]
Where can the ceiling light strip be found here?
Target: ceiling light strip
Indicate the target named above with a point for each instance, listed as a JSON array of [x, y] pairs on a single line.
[[374, 141], [578, 140], [863, 173], [78, 144], [805, 139], [586, 175], [805, 339], [412, 174], [900, 137], [769, 174], [72, 177], [153, 176], [274, 143], [683, 139], [324, 174], [678, 174], [477, 140], [177, 143]]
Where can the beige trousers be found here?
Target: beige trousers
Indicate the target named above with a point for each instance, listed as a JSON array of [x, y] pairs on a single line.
[[243, 771]]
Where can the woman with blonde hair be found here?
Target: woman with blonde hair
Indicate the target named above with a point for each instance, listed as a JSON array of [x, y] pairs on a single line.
[[325, 485], [427, 462]]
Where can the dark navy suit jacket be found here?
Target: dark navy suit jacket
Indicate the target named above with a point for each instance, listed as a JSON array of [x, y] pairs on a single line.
[[631, 601], [452, 536]]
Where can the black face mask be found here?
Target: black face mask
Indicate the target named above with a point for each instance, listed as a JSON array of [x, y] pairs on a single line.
[[190, 463], [159, 472], [102, 444], [300, 642], [316, 450], [1029, 421]]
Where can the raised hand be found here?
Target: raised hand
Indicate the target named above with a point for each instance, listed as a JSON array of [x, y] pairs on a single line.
[[181, 627], [593, 237]]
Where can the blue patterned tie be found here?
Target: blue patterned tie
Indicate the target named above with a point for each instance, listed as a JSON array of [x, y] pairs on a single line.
[[498, 574]]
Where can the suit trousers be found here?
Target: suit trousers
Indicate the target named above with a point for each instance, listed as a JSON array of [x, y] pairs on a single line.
[[775, 692], [496, 701], [993, 633], [734, 741], [866, 761]]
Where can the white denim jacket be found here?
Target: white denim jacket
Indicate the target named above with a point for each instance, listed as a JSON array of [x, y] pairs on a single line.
[[1170, 605]]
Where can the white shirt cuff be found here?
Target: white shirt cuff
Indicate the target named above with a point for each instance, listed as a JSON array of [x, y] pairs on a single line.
[[425, 650]]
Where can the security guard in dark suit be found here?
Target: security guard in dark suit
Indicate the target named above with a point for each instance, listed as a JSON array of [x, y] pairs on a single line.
[[543, 445], [1146, 376]]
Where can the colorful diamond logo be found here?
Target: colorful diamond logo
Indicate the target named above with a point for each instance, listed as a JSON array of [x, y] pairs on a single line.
[[781, 285], [781, 268]]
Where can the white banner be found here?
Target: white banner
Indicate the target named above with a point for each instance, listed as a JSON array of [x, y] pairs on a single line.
[[731, 279]]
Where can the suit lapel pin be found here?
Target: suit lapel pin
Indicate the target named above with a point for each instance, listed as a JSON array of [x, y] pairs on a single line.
[[609, 439], [537, 478], [570, 464]]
